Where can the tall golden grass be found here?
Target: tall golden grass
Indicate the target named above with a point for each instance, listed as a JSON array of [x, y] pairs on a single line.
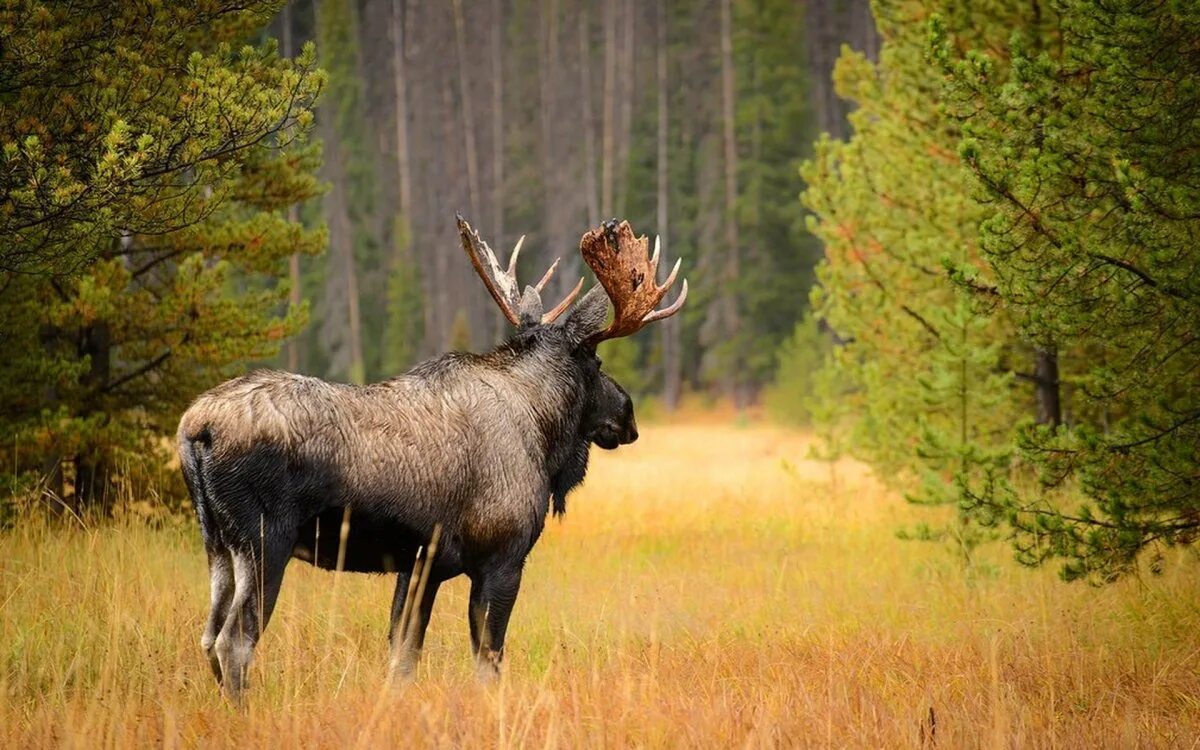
[[709, 587]]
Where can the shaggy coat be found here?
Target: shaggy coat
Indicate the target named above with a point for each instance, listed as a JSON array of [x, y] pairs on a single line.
[[477, 445]]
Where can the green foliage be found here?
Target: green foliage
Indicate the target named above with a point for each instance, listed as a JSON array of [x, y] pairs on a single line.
[[159, 232], [1085, 150], [795, 394], [115, 118], [925, 369], [621, 362], [775, 131], [405, 308], [460, 332]]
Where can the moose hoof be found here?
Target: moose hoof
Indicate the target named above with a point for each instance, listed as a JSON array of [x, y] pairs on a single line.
[[487, 666], [208, 646], [232, 657], [403, 671]]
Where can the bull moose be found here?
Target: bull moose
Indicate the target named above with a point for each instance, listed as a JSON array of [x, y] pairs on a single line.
[[474, 448]]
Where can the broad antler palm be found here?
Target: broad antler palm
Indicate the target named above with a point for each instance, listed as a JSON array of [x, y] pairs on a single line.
[[618, 258]]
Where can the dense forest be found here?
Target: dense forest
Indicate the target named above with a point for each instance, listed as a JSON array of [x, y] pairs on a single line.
[[182, 208], [1010, 272], [689, 119], [957, 239]]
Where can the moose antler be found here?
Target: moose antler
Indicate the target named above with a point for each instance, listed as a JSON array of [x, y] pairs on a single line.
[[502, 285], [618, 258]]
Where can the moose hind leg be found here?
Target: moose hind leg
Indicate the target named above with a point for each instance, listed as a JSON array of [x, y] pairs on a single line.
[[407, 642], [220, 572], [492, 600], [257, 581]]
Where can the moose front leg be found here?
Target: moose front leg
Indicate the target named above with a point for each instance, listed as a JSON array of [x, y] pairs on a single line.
[[493, 594]]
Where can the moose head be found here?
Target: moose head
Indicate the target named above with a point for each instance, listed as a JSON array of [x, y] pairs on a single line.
[[627, 278]]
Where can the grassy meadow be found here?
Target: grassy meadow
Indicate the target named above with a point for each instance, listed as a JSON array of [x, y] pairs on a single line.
[[710, 586]]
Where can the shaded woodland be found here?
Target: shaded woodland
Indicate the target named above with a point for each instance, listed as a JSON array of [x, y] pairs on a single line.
[[196, 190], [689, 119], [956, 239]]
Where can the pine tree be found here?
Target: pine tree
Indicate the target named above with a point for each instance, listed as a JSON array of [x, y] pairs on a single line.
[[117, 120], [801, 358], [775, 133], [353, 306], [1086, 154], [927, 367], [162, 226]]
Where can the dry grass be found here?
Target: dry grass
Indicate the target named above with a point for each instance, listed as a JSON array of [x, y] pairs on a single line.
[[709, 587]]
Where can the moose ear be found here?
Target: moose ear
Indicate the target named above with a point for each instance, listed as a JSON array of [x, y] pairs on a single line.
[[588, 315], [529, 309]]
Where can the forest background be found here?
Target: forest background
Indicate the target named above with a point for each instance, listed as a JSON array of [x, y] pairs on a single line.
[[958, 239]]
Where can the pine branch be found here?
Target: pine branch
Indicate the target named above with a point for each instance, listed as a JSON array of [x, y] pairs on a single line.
[[1145, 277], [147, 367]]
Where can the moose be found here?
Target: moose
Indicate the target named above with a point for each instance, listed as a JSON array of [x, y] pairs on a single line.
[[468, 452]]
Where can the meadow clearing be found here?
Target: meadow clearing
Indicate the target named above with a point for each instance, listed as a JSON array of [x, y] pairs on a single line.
[[710, 586]]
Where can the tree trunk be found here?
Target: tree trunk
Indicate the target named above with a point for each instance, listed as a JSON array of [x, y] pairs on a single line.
[[556, 202], [498, 328], [92, 468], [609, 116], [479, 314], [1049, 405], [294, 298], [342, 283], [468, 116], [589, 122], [400, 83], [669, 328], [866, 39], [51, 340], [822, 35], [401, 260], [729, 301], [547, 12], [829, 24], [450, 300], [92, 478], [358, 368], [625, 88]]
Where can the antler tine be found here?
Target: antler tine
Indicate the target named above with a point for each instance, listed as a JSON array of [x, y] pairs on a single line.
[[562, 306], [488, 269], [501, 284], [546, 276], [618, 258], [667, 312], [512, 259], [671, 276], [566, 303]]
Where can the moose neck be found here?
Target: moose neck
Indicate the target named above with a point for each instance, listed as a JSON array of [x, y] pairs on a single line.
[[554, 388]]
